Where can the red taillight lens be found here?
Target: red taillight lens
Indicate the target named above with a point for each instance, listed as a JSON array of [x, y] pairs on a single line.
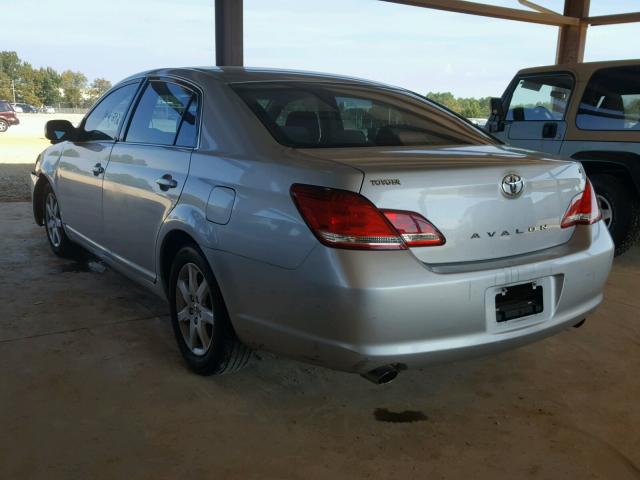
[[344, 219], [416, 230], [583, 209]]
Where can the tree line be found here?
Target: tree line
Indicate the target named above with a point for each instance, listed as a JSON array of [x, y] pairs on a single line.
[[467, 107], [45, 86]]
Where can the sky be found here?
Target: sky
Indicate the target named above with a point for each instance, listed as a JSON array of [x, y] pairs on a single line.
[[416, 48]]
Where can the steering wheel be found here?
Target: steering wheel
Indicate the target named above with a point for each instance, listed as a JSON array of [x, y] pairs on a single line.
[[544, 112]]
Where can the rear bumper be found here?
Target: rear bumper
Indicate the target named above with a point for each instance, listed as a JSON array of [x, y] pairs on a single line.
[[356, 310]]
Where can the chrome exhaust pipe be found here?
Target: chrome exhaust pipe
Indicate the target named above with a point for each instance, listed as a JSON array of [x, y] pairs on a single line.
[[381, 375]]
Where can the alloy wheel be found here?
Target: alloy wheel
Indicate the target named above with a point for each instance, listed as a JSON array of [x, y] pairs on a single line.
[[4, 126], [194, 306], [53, 220], [607, 211]]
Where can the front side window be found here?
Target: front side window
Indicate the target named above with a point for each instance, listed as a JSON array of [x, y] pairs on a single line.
[[324, 115], [611, 100], [165, 115], [540, 98], [105, 120]]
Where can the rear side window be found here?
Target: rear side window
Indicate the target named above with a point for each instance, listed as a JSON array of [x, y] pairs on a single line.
[[165, 115], [611, 100], [540, 98], [105, 120], [5, 107], [326, 115]]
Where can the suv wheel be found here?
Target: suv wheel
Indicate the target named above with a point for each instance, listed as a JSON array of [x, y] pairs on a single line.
[[620, 210], [4, 125], [200, 319]]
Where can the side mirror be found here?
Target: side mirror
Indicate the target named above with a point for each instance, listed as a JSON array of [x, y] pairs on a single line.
[[497, 108], [59, 131]]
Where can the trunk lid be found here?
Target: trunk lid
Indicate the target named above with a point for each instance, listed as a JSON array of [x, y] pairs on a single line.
[[459, 190]]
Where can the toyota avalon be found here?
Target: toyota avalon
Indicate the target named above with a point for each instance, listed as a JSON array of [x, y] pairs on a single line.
[[337, 221]]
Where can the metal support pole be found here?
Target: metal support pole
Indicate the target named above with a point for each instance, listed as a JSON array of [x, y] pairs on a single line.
[[572, 39], [229, 35]]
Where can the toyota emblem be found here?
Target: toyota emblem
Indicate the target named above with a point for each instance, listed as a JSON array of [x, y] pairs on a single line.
[[512, 185]]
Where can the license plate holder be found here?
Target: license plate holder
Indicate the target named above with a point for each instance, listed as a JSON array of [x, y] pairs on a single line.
[[519, 301]]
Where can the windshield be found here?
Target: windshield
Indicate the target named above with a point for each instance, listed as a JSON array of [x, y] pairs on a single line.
[[323, 115]]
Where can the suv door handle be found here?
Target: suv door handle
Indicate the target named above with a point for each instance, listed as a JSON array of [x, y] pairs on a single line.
[[97, 169], [166, 182], [549, 130]]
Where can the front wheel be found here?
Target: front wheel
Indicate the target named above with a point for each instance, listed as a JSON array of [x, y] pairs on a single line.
[[620, 210], [58, 240], [4, 125], [200, 319]]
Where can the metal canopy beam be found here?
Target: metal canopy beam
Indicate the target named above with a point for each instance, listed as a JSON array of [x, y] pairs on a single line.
[[474, 8], [573, 38], [229, 35], [614, 19]]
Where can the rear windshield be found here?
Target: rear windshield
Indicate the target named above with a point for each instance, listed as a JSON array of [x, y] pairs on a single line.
[[322, 115]]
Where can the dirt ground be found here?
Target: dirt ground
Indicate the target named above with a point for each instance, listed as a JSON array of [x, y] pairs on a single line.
[[93, 387]]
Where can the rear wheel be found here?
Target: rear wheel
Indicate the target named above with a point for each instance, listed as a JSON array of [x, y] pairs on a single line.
[[4, 125], [620, 210], [199, 316], [58, 240]]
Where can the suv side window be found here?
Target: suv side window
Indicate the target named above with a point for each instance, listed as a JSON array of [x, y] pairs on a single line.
[[105, 120], [540, 97], [611, 100], [165, 115], [4, 107]]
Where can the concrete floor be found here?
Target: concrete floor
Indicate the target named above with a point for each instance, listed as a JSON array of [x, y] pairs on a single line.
[[92, 386]]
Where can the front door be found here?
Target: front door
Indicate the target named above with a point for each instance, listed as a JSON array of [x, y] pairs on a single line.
[[147, 171], [83, 162], [536, 112]]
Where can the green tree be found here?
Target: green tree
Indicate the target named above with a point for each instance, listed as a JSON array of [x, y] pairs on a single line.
[[48, 86], [467, 107], [73, 84], [98, 88]]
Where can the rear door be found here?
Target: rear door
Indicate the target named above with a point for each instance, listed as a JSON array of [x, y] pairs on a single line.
[[83, 161], [147, 171], [536, 109]]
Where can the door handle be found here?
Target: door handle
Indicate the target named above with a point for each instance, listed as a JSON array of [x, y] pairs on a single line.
[[549, 130], [166, 182], [97, 169]]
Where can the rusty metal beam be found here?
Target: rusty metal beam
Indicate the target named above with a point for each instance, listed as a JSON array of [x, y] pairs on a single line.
[[229, 35], [573, 38], [614, 19], [474, 8]]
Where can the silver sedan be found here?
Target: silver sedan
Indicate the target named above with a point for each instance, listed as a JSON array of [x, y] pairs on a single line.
[[337, 221]]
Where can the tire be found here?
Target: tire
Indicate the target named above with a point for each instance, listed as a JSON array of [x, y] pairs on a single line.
[[624, 222], [200, 319], [4, 126], [58, 240]]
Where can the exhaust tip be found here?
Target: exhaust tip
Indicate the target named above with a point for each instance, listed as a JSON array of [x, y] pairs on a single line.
[[381, 375]]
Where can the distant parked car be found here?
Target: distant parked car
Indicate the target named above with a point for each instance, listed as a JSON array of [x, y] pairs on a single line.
[[47, 109], [8, 116], [24, 108], [588, 112], [338, 221]]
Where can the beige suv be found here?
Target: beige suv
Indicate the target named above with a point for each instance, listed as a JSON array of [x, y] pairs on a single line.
[[588, 112]]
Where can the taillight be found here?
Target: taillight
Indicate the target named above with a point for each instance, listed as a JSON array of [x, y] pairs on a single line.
[[583, 209], [344, 219], [416, 230], [339, 218]]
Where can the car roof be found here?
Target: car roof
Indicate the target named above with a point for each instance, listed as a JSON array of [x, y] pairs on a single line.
[[583, 68], [249, 74]]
